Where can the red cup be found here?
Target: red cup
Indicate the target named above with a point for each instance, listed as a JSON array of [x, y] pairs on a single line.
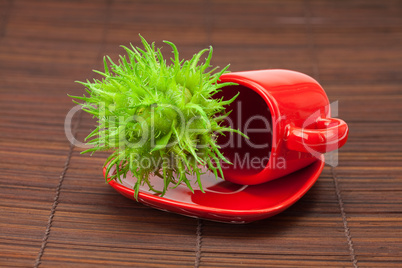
[[286, 115]]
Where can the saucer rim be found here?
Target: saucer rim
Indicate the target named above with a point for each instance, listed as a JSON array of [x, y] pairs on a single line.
[[144, 197]]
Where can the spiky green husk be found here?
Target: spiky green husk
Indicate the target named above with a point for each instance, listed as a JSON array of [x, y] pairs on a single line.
[[157, 118]]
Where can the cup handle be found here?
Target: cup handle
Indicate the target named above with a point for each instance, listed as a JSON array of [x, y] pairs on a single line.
[[329, 134]]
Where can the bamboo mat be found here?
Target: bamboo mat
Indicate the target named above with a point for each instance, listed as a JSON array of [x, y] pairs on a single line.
[[56, 209]]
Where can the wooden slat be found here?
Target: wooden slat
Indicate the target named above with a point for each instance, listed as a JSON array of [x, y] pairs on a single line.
[[351, 216], [34, 69], [360, 58]]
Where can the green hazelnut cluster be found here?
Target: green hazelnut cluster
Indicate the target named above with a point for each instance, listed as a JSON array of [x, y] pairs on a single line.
[[157, 118]]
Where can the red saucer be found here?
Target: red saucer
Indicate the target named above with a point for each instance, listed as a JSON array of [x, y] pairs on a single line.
[[224, 201]]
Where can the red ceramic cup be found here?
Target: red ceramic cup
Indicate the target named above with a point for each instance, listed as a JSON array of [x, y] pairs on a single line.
[[286, 115]]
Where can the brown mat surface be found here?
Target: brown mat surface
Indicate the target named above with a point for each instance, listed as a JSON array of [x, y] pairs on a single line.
[[56, 210]]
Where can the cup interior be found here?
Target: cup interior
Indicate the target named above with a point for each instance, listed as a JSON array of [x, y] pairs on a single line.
[[251, 115]]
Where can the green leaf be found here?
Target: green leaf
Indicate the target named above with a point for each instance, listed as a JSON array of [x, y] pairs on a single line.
[[162, 142]]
